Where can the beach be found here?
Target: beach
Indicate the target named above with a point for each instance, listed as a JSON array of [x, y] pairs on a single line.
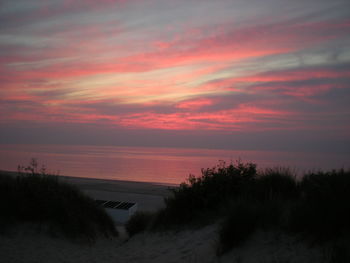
[[148, 196]]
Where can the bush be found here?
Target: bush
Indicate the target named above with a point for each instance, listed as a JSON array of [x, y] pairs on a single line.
[[318, 205], [323, 210], [139, 222], [340, 251], [204, 196], [275, 183], [241, 222], [245, 217], [43, 199]]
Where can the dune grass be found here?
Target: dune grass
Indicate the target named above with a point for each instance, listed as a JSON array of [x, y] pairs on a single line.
[[242, 198], [322, 210], [202, 197], [240, 223], [139, 222], [317, 206], [43, 199]]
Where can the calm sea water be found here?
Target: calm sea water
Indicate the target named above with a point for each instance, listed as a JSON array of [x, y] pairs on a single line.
[[162, 165]]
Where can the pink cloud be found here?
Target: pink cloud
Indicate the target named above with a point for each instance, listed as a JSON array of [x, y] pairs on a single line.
[[227, 45], [293, 75], [194, 104], [233, 119], [203, 53], [301, 83]]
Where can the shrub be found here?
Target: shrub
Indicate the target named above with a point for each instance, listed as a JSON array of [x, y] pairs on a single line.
[[272, 214], [276, 183], [323, 211], [200, 197], [318, 205], [241, 222], [139, 222], [340, 252], [247, 215], [43, 199]]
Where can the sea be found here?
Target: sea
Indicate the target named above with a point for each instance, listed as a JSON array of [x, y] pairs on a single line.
[[170, 166]]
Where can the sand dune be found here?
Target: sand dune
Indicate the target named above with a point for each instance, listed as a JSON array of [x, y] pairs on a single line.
[[184, 246], [192, 245]]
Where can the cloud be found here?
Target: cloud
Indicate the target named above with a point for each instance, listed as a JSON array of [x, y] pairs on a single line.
[[194, 104], [268, 101], [112, 63], [300, 82], [35, 12]]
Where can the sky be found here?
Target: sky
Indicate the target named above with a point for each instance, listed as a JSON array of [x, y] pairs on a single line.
[[233, 74]]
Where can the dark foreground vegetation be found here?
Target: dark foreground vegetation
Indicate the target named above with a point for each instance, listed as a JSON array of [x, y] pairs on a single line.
[[317, 206], [36, 197]]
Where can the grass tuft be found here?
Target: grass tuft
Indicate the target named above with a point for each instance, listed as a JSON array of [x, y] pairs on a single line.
[[240, 223], [201, 197], [317, 206], [139, 222], [43, 199], [323, 209], [275, 184]]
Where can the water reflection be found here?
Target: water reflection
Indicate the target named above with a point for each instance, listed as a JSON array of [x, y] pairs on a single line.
[[165, 165]]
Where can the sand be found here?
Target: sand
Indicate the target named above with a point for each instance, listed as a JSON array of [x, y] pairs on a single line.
[[148, 196], [195, 245]]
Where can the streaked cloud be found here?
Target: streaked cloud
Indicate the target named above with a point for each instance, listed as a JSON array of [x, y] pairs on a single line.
[[182, 66]]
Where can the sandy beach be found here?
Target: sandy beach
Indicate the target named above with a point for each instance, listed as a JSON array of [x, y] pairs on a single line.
[[148, 196]]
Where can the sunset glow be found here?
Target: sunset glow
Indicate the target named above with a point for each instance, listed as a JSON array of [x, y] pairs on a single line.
[[220, 68]]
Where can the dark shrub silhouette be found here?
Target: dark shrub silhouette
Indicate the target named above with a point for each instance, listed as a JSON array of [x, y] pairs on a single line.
[[317, 206], [323, 209], [207, 194], [139, 222], [275, 184], [240, 223], [43, 199]]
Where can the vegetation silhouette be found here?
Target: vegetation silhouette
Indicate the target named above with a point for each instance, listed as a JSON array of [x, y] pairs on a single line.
[[242, 199], [316, 206], [37, 197]]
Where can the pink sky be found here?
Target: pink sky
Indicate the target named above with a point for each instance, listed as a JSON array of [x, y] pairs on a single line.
[[251, 74]]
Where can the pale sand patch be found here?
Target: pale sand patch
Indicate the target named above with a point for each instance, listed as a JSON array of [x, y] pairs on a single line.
[[149, 196]]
